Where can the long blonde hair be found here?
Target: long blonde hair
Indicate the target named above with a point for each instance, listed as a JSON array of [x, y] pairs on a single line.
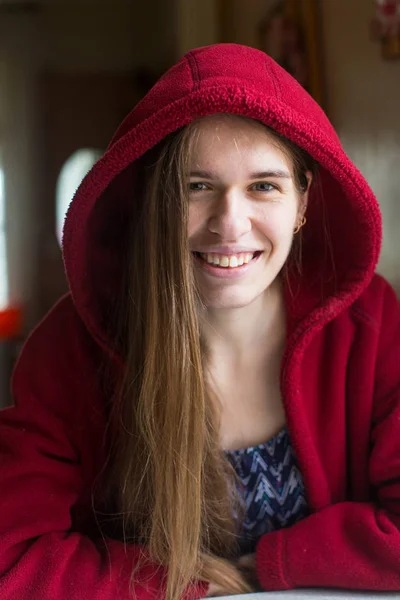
[[171, 481]]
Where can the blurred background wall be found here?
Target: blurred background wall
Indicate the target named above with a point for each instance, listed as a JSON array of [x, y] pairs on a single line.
[[70, 70]]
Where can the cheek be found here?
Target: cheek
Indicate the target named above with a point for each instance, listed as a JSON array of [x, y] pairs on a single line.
[[197, 217], [278, 225]]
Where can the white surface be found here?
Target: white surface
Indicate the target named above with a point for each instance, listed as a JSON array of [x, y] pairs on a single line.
[[323, 594]]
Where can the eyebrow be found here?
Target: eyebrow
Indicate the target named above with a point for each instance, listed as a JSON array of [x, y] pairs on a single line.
[[279, 174]]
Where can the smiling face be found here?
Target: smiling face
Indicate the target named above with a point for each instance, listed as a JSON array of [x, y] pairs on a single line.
[[243, 209]]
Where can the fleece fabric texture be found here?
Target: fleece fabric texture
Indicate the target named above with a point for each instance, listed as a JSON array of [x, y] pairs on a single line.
[[340, 374]]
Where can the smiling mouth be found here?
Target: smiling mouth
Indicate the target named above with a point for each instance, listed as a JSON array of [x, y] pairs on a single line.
[[227, 262]]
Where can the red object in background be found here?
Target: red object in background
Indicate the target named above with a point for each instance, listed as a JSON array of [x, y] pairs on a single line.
[[387, 8], [10, 322], [388, 15], [386, 27]]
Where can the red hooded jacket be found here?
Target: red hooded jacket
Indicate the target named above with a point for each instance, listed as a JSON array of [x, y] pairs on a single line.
[[340, 373]]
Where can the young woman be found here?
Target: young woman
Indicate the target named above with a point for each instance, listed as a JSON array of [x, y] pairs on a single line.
[[215, 406]]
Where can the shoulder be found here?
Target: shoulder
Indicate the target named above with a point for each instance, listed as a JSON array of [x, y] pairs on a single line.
[[61, 334], [58, 357]]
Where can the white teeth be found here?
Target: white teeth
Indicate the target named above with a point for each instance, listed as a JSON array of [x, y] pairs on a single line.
[[232, 261], [224, 261]]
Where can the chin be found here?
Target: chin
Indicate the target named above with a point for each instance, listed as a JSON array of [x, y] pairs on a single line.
[[230, 301], [239, 295]]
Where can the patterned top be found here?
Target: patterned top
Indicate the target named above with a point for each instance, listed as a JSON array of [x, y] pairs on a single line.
[[271, 488]]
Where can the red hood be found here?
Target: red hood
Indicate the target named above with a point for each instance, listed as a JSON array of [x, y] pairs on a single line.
[[234, 79]]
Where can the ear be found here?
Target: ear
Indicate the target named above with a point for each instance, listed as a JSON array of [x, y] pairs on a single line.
[[304, 196], [309, 176]]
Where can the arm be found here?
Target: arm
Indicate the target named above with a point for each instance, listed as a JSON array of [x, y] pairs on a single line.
[[41, 481], [352, 545]]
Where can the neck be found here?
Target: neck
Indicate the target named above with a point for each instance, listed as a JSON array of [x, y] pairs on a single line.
[[243, 334]]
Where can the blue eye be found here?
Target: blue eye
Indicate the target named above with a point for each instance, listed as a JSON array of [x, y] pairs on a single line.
[[197, 186], [263, 186]]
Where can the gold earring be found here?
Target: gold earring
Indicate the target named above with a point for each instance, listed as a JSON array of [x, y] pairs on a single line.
[[300, 225]]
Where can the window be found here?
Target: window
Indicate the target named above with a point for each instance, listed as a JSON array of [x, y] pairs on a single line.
[[71, 175]]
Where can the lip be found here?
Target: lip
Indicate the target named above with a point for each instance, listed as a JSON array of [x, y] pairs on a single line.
[[227, 250], [226, 272]]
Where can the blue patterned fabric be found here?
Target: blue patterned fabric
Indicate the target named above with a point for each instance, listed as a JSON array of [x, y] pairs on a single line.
[[271, 488]]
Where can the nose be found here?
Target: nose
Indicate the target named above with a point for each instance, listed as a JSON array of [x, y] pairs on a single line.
[[230, 217]]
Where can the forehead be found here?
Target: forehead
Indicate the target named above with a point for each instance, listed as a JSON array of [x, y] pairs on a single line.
[[231, 138]]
